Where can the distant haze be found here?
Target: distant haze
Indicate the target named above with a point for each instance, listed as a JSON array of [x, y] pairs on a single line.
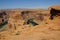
[[11, 4]]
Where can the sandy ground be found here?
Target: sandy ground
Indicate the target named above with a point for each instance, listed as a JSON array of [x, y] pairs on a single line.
[[46, 30]]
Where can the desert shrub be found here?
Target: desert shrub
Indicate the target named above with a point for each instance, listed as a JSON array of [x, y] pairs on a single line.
[[3, 23], [4, 17], [17, 33], [31, 21]]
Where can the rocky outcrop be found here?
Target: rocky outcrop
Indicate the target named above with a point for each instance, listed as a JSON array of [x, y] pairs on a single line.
[[3, 19], [54, 7], [54, 10]]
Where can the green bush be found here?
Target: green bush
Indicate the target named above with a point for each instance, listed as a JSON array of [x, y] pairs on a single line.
[[31, 21], [3, 24]]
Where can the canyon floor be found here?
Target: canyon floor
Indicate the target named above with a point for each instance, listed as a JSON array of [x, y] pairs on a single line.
[[46, 30]]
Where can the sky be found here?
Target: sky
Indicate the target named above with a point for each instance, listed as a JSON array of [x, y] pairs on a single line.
[[11, 4]]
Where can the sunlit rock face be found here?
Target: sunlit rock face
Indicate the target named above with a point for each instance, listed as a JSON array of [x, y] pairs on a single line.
[[54, 11], [54, 7]]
